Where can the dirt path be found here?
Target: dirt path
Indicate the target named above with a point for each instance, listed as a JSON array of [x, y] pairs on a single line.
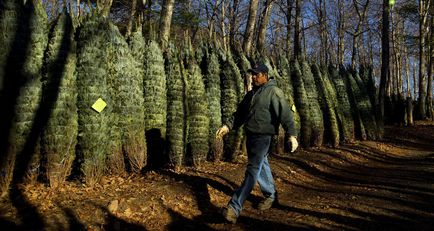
[[364, 186]]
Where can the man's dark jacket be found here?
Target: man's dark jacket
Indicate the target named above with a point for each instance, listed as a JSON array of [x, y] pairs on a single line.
[[262, 110]]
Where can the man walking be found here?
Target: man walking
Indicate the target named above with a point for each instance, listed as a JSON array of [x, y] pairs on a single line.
[[261, 111]]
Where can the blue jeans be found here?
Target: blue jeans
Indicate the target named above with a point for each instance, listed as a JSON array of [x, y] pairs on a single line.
[[258, 170]]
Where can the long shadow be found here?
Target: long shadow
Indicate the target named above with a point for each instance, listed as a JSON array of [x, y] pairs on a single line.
[[405, 169], [180, 222], [210, 212], [364, 221], [381, 156], [13, 79], [14, 82], [73, 222], [357, 181], [117, 224], [427, 206], [409, 172]]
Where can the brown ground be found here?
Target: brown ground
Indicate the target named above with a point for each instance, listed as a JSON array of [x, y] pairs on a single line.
[[386, 185]]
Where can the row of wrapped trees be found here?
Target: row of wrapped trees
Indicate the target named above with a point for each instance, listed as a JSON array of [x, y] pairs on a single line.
[[163, 106]]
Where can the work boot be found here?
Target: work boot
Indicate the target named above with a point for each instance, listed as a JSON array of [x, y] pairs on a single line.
[[267, 203], [229, 214]]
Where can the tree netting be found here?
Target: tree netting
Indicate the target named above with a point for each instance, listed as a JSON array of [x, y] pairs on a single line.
[[24, 30], [59, 137], [302, 104], [327, 100], [92, 84], [232, 91], [155, 104], [175, 108], [126, 87], [314, 108], [197, 115], [161, 110], [345, 118], [213, 94]]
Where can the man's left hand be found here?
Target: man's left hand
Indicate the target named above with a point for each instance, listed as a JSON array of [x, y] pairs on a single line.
[[292, 140]]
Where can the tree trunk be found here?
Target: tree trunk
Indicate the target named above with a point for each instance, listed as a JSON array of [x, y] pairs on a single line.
[[71, 9], [165, 21], [232, 29], [423, 10], [132, 16], [321, 12], [250, 27], [430, 71], [211, 21], [341, 32], [357, 31], [297, 31], [223, 25], [78, 9], [104, 7], [265, 18], [288, 26], [384, 57]]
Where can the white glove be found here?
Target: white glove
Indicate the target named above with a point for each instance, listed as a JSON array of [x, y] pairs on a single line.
[[222, 131], [292, 140]]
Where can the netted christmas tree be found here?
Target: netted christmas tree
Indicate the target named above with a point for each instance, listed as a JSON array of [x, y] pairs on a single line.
[[125, 79], [231, 94], [138, 46], [327, 100], [367, 78], [213, 94], [286, 85], [364, 106], [314, 108], [301, 101], [197, 115], [59, 137], [352, 91], [243, 65], [155, 104], [23, 42], [93, 126], [345, 118], [175, 108]]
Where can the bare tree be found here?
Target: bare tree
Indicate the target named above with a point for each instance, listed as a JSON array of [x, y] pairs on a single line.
[[361, 13], [165, 21], [290, 4], [423, 15], [233, 14], [321, 14], [341, 23], [297, 30], [265, 18], [385, 56], [211, 18], [104, 7], [429, 95], [250, 27], [132, 17]]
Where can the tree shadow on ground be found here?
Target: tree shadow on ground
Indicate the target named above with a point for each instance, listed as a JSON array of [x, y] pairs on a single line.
[[359, 220], [199, 185], [15, 80]]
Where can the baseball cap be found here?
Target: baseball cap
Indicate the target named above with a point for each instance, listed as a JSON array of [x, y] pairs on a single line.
[[259, 68]]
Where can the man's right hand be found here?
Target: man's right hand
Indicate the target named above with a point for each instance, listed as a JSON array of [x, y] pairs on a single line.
[[222, 131]]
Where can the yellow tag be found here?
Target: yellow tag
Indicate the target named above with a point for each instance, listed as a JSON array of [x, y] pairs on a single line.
[[99, 105], [293, 108]]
